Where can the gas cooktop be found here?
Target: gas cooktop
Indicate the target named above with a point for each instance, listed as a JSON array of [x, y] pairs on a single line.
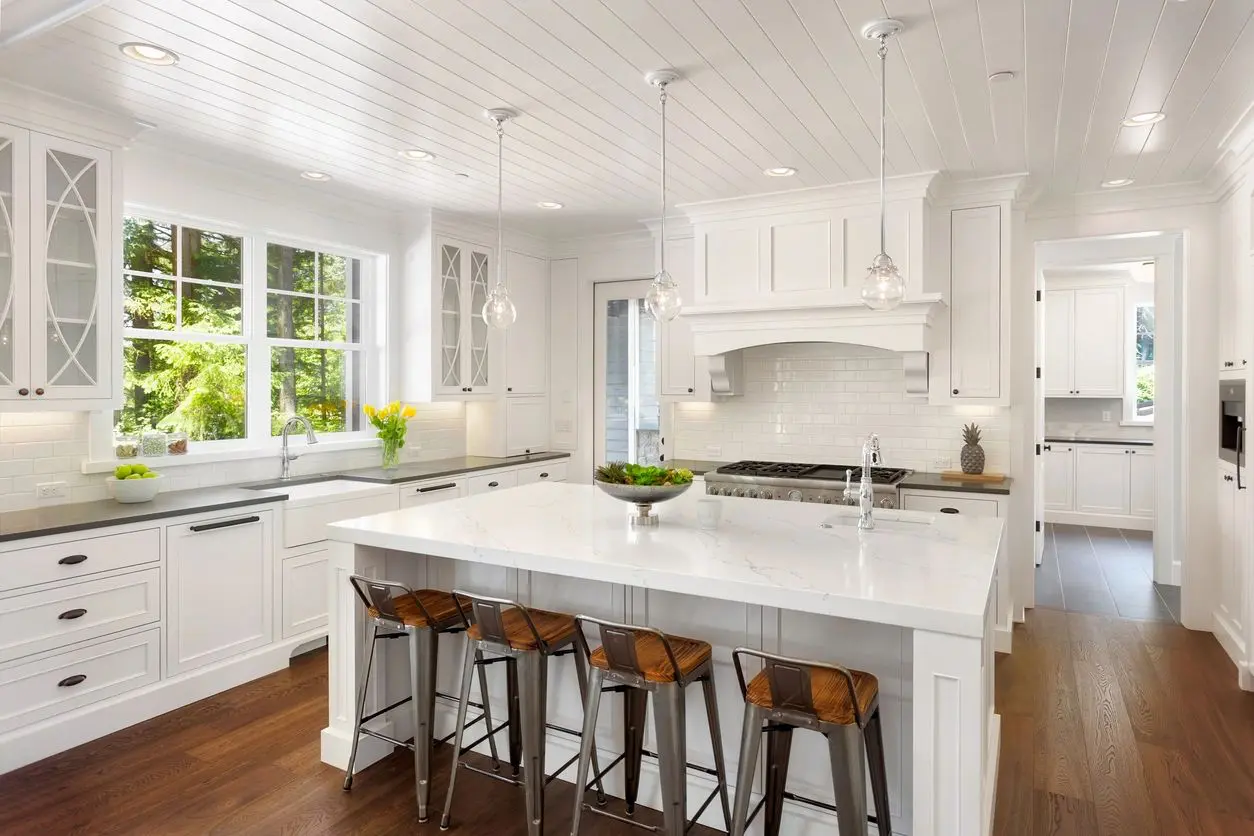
[[792, 470], [823, 483]]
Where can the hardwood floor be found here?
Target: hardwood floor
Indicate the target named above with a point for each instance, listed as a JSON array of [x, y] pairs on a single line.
[[1109, 728]]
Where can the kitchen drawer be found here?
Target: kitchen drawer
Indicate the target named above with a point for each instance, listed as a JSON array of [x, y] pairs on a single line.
[[547, 472], [437, 490], [36, 690], [493, 481], [941, 505], [52, 618], [308, 523], [71, 559]]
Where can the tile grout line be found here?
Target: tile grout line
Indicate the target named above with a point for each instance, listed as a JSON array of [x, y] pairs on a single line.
[[1102, 572]]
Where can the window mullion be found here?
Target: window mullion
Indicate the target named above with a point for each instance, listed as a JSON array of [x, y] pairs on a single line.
[[258, 384]]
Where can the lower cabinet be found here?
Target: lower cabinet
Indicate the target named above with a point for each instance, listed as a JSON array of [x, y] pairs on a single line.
[[304, 600], [1100, 484], [1101, 480], [1059, 463], [1234, 551], [493, 481], [437, 490], [220, 588]]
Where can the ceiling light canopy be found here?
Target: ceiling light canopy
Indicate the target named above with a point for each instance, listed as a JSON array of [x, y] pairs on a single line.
[[780, 171], [498, 310], [148, 53], [1140, 120], [663, 300], [884, 286], [549, 204], [316, 176], [416, 154], [1118, 182]]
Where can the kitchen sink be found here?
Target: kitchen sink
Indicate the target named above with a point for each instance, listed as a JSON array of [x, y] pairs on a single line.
[[277, 484], [914, 524]]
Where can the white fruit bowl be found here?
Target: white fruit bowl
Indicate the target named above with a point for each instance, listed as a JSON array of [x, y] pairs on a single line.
[[130, 491]]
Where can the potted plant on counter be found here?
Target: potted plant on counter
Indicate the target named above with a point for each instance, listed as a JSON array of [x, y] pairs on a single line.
[[642, 486], [392, 422]]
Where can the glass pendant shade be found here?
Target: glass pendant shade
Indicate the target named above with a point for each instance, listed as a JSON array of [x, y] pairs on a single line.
[[883, 286], [498, 310], [663, 300]]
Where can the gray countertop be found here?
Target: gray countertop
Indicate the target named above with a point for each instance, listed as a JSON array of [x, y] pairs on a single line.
[[442, 467], [1118, 442], [934, 482], [60, 519]]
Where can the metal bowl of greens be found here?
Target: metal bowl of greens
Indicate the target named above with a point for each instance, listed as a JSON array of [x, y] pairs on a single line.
[[642, 486]]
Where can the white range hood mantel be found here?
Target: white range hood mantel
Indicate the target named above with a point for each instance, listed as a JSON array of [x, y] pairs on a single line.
[[720, 329]]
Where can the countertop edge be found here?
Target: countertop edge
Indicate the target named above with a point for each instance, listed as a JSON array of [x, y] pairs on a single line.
[[522, 461], [935, 483], [1116, 442]]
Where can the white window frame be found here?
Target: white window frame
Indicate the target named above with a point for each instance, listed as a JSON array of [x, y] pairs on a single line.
[[1130, 417], [372, 345]]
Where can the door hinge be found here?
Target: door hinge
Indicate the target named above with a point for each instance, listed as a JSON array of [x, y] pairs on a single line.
[[1038, 296], [1038, 372], [1038, 525], [1038, 449]]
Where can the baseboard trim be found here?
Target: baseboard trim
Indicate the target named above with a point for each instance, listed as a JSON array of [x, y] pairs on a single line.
[[991, 762], [1100, 520], [65, 731], [1229, 638]]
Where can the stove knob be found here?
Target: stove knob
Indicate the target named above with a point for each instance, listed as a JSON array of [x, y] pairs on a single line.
[[752, 493], [767, 495], [887, 502], [710, 490], [829, 500], [794, 496], [738, 492]]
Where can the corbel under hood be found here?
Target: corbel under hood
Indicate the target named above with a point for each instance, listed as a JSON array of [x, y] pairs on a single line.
[[720, 329]]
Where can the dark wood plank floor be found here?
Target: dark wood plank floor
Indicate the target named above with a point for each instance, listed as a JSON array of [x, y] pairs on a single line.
[[1109, 728]]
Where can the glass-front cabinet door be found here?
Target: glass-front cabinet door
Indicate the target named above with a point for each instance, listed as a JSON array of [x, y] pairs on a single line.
[[464, 355], [71, 270], [451, 317], [14, 263]]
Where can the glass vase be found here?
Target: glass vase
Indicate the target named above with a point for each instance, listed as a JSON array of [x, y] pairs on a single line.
[[392, 453]]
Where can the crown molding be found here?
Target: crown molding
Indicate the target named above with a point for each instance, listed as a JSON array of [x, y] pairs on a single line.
[[859, 193], [1002, 187], [1123, 200], [44, 112]]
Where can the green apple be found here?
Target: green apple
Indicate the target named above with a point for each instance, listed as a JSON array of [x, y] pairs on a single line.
[[141, 469], [150, 475], [134, 476], [122, 471]]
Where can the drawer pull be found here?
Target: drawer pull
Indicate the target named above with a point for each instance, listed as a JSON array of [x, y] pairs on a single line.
[[71, 681], [70, 615], [224, 524], [544, 475], [494, 484], [72, 559], [443, 487], [949, 510]]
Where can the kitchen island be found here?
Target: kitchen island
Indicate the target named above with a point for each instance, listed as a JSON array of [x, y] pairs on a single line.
[[912, 602]]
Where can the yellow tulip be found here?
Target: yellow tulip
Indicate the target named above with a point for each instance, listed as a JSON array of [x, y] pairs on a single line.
[[370, 411], [394, 407], [409, 412]]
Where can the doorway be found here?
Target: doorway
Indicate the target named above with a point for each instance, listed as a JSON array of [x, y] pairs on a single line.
[[627, 406]]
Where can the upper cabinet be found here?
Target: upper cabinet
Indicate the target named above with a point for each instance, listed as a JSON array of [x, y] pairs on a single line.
[[1084, 353], [979, 304], [57, 254], [527, 341], [464, 276], [678, 363]]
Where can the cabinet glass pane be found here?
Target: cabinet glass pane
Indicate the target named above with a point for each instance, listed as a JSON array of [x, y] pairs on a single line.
[[450, 315], [6, 261], [478, 328], [72, 279]]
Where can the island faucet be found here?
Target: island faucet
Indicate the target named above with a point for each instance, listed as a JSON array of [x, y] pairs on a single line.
[[310, 438], [871, 457]]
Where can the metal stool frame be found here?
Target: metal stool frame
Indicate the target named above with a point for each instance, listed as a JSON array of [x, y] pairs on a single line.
[[528, 698], [423, 654], [670, 718], [849, 747]]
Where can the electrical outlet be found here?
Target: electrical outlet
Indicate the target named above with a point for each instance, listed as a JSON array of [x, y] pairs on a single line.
[[1106, 415], [713, 450], [52, 490], [942, 463], [564, 426]]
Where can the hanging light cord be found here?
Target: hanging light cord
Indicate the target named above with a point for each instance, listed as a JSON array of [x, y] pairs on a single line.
[[500, 214], [662, 98], [883, 53]]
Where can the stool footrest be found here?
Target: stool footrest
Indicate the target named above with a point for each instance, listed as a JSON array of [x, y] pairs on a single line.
[[801, 799], [385, 710], [624, 819], [388, 738]]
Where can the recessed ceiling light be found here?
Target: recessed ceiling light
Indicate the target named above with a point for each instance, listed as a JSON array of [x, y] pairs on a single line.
[[148, 53], [1139, 120], [461, 174], [1114, 184], [549, 204], [316, 176], [416, 154], [1002, 75], [780, 171]]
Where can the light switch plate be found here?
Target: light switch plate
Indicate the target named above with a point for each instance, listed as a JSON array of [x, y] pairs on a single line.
[[1106, 415], [942, 463]]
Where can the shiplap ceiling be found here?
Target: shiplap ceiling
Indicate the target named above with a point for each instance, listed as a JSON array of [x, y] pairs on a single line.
[[342, 85]]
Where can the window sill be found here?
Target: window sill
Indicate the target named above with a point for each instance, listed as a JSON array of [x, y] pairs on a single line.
[[1148, 424], [228, 455]]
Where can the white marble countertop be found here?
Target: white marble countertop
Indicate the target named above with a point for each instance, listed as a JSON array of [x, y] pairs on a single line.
[[916, 570]]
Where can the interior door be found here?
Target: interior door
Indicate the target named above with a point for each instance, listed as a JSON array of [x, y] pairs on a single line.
[[1038, 433], [628, 410]]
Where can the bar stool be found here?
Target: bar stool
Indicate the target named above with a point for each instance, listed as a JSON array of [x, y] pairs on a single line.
[[422, 615], [639, 661], [839, 703], [524, 639]]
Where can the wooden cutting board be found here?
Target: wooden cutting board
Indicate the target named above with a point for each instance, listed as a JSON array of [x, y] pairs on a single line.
[[959, 476]]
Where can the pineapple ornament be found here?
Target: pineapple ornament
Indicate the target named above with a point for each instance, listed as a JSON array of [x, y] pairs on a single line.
[[972, 453]]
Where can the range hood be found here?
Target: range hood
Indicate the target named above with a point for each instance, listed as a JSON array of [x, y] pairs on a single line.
[[717, 330]]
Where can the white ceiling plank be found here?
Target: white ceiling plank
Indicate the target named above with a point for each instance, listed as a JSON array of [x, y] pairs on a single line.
[[1088, 39], [1045, 23], [1001, 28]]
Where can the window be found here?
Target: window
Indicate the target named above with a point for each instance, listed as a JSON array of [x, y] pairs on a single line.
[[226, 335], [1140, 401]]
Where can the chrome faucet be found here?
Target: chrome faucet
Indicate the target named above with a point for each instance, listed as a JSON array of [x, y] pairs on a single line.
[[310, 438], [849, 496], [871, 457]]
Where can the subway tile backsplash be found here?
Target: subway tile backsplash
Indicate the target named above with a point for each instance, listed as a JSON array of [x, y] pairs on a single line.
[[816, 402], [50, 447]]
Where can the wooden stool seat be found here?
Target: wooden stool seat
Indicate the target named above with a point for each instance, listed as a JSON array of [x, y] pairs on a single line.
[[553, 627], [439, 604], [690, 654], [829, 692]]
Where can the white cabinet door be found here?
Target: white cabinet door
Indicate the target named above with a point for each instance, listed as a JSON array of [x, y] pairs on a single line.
[[1057, 343], [1101, 479], [463, 278], [306, 601], [527, 356], [526, 426], [1230, 572], [1100, 355], [975, 302], [220, 589], [1059, 463], [679, 364], [71, 271], [493, 481], [15, 281], [436, 490], [1142, 491]]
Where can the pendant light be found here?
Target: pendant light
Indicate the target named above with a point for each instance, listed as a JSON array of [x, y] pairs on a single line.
[[663, 299], [499, 311], [884, 285]]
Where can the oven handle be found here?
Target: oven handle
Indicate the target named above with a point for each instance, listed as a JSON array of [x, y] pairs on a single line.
[[1240, 448]]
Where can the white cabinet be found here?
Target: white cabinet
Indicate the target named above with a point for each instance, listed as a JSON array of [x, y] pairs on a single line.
[[492, 480], [526, 353], [554, 471], [305, 600], [978, 303], [219, 588], [678, 363], [464, 275], [57, 277], [1142, 490], [1101, 479], [1084, 352], [436, 490], [1233, 549], [507, 426], [1059, 463]]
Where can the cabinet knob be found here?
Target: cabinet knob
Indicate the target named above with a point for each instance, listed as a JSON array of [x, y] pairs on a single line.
[[494, 484], [544, 475], [955, 391], [690, 390], [23, 391], [39, 391], [509, 388], [71, 681], [70, 615], [949, 510]]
